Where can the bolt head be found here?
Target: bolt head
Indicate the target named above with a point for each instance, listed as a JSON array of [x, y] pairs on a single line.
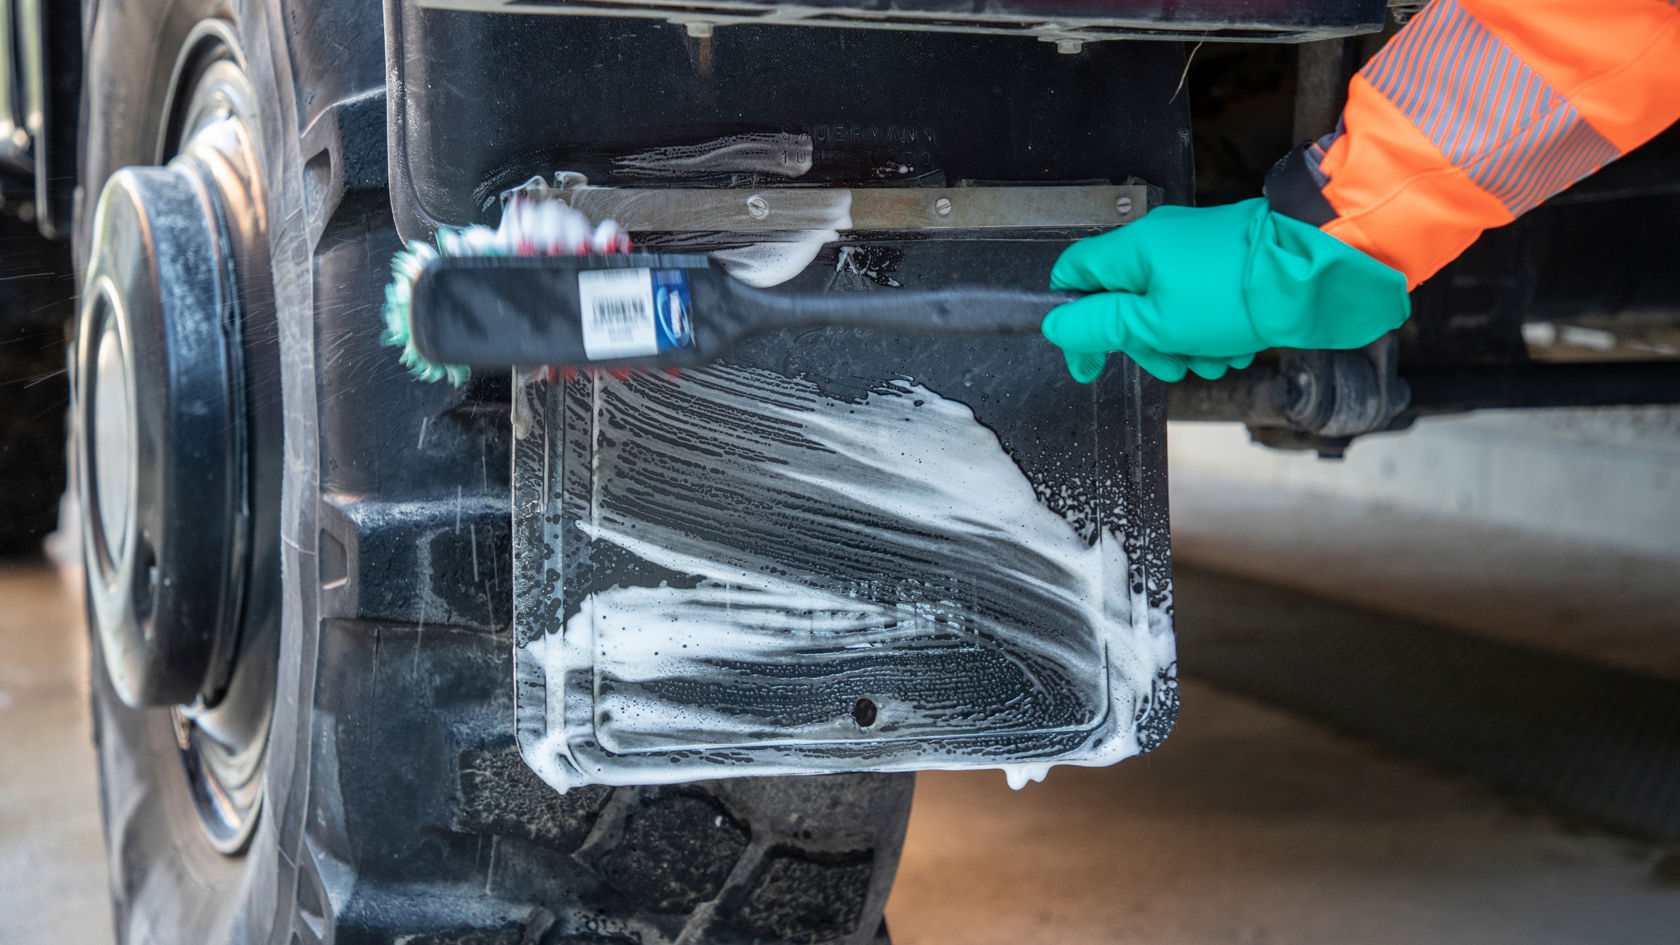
[[757, 207], [1123, 205], [942, 206]]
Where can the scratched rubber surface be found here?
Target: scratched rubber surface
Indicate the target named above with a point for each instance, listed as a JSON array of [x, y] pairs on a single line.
[[1588, 740]]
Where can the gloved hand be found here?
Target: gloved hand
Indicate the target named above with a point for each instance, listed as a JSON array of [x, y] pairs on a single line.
[[1204, 289]]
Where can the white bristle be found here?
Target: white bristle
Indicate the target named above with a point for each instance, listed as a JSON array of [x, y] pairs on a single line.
[[513, 224], [528, 226], [478, 240], [544, 227], [608, 237], [573, 231]]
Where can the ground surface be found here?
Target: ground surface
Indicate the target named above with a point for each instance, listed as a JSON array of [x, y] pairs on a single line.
[[1249, 826], [52, 860]]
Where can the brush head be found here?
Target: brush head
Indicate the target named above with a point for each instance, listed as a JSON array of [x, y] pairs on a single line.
[[601, 311], [529, 227]]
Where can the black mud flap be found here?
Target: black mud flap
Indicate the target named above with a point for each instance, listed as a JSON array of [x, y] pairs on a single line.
[[839, 552]]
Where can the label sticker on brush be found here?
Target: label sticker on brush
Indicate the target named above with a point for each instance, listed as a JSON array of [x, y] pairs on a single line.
[[630, 313], [672, 307]]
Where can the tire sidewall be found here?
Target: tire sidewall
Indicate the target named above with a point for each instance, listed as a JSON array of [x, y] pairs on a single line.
[[168, 884]]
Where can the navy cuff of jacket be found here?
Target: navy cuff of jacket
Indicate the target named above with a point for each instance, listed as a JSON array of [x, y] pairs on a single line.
[[1293, 190]]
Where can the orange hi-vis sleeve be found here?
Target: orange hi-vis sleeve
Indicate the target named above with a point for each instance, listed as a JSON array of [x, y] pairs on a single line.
[[1476, 112]]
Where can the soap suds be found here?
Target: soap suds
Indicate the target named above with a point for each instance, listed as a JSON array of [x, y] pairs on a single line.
[[753, 557], [783, 255], [779, 154], [1019, 776], [774, 262], [803, 228]]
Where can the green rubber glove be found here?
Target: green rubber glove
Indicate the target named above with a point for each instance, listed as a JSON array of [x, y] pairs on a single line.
[[1203, 289]]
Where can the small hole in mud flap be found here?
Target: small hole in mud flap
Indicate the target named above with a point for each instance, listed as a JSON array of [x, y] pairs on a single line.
[[864, 713]]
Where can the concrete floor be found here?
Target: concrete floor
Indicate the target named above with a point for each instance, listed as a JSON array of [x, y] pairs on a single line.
[[1249, 826], [52, 858]]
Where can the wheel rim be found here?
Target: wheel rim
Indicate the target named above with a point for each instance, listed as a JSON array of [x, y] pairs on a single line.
[[177, 268]]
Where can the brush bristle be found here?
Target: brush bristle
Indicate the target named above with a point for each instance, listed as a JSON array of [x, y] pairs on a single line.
[[528, 228]]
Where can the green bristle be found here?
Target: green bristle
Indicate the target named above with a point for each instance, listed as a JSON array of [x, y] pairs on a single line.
[[398, 312]]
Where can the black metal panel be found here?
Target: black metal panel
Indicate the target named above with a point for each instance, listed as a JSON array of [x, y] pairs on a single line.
[[480, 103], [1065, 21], [1543, 385], [1185, 14]]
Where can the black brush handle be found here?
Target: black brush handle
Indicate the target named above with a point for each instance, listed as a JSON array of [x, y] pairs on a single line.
[[958, 310], [497, 311]]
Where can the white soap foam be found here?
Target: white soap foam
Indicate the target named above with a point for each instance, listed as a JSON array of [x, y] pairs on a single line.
[[776, 153], [784, 255], [825, 490]]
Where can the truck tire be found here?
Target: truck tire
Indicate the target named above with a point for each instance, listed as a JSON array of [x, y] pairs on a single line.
[[332, 760]]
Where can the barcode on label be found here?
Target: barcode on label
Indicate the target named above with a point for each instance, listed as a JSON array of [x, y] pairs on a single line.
[[618, 315], [617, 310]]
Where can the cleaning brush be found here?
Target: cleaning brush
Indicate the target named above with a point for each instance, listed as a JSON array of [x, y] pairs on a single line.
[[545, 289], [647, 310], [529, 227]]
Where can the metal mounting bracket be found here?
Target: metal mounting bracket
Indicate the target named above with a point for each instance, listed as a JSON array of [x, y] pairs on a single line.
[[856, 209]]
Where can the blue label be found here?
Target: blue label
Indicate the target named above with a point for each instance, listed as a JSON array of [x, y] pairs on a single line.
[[672, 307]]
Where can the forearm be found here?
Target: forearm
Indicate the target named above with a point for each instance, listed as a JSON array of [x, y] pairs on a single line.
[[1477, 111]]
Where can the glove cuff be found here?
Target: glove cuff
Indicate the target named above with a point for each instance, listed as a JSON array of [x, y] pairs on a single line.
[[1292, 188]]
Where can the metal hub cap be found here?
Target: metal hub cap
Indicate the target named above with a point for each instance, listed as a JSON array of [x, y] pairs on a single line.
[[172, 493], [113, 437]]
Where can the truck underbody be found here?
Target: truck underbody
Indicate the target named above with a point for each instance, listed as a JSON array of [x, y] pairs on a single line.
[[327, 600]]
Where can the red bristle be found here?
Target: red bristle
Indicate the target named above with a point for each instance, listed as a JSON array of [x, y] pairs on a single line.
[[568, 373]]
